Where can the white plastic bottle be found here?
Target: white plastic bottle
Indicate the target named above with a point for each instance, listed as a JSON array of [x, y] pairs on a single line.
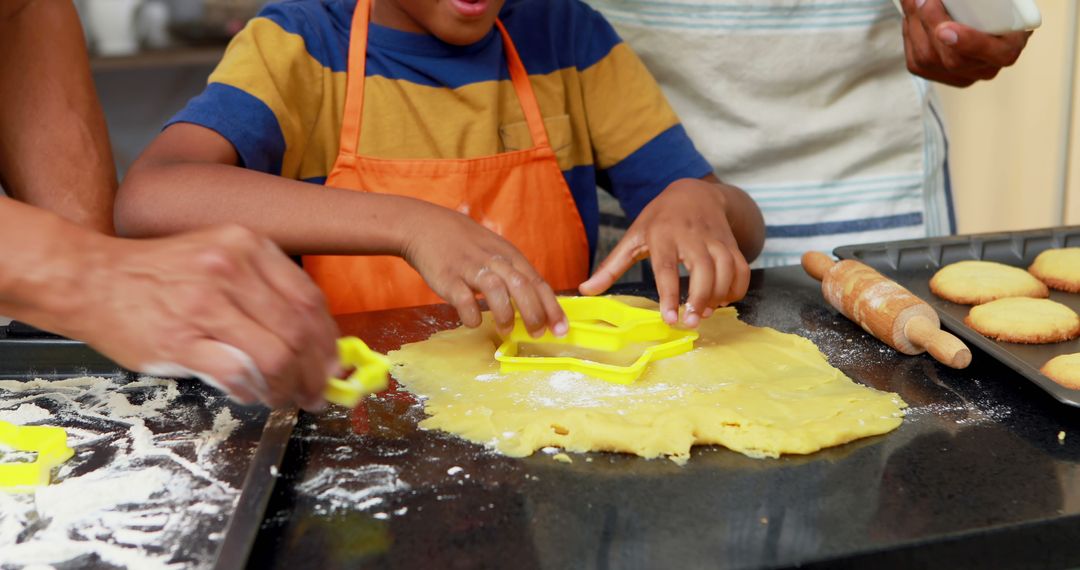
[[993, 16]]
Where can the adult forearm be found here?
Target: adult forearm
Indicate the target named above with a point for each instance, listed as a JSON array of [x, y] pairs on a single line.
[[44, 261], [179, 306], [166, 198], [54, 146]]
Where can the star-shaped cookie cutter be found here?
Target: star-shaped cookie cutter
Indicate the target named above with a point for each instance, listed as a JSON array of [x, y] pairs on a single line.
[[368, 376], [50, 445], [598, 323]]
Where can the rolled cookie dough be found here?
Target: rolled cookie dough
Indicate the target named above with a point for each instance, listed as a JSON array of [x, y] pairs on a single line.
[[754, 390]]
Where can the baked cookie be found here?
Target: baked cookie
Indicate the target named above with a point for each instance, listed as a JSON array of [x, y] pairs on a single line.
[[1064, 370], [1025, 320], [977, 282], [1059, 268]]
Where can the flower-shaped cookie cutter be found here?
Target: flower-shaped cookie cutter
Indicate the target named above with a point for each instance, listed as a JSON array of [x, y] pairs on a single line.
[[50, 445], [598, 323], [368, 376]]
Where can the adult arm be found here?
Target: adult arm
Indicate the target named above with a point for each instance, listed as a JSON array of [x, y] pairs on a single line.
[[54, 146], [220, 304]]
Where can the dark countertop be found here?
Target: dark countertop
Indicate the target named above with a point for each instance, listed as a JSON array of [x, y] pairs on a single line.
[[975, 477]]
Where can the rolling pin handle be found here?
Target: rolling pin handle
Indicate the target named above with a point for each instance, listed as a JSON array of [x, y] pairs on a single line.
[[944, 347], [817, 264]]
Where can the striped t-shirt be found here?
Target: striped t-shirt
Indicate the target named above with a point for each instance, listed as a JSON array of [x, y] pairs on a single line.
[[809, 107], [278, 96]]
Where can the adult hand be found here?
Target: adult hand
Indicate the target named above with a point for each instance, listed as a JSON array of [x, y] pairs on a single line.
[[945, 51], [688, 224], [477, 260], [220, 304]]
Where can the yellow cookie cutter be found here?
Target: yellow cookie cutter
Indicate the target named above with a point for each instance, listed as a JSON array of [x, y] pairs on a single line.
[[368, 377], [598, 323], [50, 444]]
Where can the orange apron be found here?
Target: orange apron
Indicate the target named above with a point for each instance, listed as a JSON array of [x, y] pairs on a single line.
[[521, 195]]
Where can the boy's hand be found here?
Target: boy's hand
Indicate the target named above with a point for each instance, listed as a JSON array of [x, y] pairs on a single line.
[[460, 258], [220, 304], [685, 224], [945, 51]]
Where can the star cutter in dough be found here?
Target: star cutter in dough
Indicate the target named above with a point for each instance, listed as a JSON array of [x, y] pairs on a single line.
[[50, 444], [598, 323], [368, 377]]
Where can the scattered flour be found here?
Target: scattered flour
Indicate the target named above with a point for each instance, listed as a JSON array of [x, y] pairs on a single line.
[[351, 489], [566, 380], [24, 414], [566, 388], [224, 425], [129, 495]]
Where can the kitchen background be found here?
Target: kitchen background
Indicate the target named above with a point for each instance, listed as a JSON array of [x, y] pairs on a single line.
[[1015, 141]]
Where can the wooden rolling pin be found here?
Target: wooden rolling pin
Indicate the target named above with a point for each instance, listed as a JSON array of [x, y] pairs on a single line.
[[885, 309]]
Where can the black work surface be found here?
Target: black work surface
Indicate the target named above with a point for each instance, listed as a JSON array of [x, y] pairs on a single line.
[[912, 263], [975, 477]]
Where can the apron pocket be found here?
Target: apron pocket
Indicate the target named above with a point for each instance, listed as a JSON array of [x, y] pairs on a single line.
[[515, 136]]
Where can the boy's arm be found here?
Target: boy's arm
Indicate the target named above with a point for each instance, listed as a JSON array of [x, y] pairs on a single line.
[[188, 179], [709, 227], [54, 147], [682, 213]]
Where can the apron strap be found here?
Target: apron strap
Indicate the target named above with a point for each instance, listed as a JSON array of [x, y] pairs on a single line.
[[354, 80], [523, 87], [354, 93]]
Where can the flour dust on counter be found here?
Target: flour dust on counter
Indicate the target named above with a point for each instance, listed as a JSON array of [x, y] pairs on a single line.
[[144, 475], [361, 488], [340, 485], [751, 389]]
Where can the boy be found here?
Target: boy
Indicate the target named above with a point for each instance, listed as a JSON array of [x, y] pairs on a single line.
[[436, 146]]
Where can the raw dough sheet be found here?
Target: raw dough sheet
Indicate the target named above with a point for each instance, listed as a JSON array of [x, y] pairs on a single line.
[[754, 390]]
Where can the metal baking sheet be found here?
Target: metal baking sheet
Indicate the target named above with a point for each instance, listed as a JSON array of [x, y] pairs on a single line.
[[246, 454], [27, 351], [912, 264]]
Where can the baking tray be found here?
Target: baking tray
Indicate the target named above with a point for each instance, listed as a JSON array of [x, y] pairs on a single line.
[[912, 263], [28, 351], [254, 449]]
